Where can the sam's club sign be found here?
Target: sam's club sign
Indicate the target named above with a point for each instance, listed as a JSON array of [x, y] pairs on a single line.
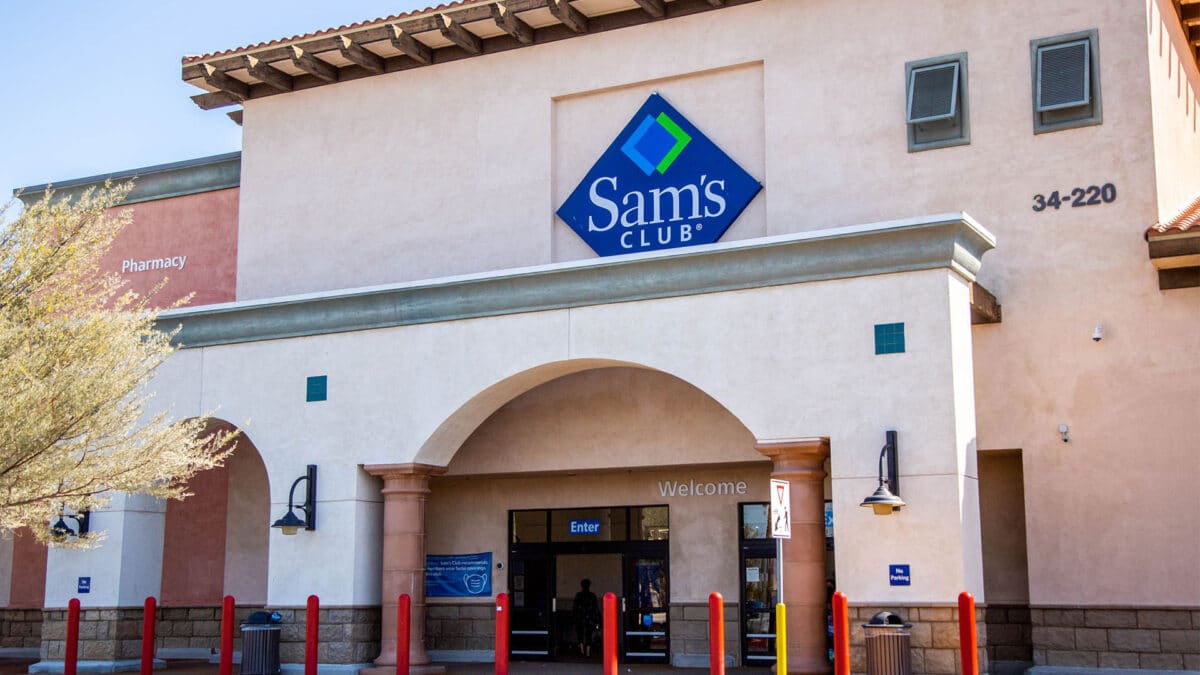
[[661, 184]]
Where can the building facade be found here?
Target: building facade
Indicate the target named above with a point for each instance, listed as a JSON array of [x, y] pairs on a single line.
[[549, 291]]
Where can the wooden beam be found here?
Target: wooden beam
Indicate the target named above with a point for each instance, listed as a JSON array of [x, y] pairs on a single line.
[[655, 8], [1190, 14], [454, 32], [236, 116], [214, 99], [312, 65], [216, 78], [410, 46], [512, 24], [568, 15], [1193, 34], [355, 54], [717, 3], [984, 306], [266, 73]]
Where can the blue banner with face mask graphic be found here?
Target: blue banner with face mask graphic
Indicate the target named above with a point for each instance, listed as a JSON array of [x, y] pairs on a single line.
[[458, 576]]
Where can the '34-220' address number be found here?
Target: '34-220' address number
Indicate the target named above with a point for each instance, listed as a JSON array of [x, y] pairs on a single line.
[[1091, 195]]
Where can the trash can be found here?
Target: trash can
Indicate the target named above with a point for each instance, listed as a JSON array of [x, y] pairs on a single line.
[[888, 640], [260, 644]]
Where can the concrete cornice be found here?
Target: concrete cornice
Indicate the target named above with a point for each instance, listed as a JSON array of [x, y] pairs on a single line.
[[205, 174], [954, 241]]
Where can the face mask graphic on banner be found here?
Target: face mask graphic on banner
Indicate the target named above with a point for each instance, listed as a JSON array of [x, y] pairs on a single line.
[[661, 184]]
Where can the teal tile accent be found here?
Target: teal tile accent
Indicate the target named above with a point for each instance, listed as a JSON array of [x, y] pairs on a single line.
[[317, 388], [889, 338]]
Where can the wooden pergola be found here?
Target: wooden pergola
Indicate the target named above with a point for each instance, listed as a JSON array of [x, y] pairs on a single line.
[[453, 31]]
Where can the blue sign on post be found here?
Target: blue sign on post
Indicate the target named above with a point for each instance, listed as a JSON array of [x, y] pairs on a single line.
[[899, 575], [85, 585], [458, 576], [661, 184]]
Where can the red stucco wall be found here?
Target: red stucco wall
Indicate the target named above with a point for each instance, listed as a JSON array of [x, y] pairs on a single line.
[[202, 227], [193, 571], [28, 589]]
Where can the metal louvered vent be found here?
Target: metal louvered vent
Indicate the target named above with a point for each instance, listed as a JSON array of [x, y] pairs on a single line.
[[1064, 75], [933, 93]]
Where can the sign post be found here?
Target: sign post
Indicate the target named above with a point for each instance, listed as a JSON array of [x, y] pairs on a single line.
[[781, 523]]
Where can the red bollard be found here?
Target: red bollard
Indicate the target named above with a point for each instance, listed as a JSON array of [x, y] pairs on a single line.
[[968, 640], [148, 616], [403, 633], [72, 656], [502, 634], [716, 634], [226, 667], [841, 635], [312, 631], [610, 634]]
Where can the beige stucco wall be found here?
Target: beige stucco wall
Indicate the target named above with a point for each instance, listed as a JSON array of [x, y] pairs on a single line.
[[247, 513], [1002, 503], [1174, 83]]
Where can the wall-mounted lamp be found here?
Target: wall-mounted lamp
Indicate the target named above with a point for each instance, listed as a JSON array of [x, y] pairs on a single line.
[[59, 531], [290, 523], [1065, 432], [1098, 333], [887, 498]]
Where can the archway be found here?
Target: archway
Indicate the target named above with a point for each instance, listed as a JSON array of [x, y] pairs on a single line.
[[214, 544]]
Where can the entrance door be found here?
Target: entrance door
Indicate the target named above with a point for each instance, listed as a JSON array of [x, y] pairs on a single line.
[[759, 586], [622, 550], [644, 615]]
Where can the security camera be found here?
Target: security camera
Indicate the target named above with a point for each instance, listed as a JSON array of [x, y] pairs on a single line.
[[1098, 333]]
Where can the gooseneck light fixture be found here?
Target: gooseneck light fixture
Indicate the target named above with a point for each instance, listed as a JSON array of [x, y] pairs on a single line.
[[887, 497], [59, 531], [290, 523]]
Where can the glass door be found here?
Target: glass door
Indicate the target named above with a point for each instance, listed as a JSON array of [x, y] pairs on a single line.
[[759, 573], [644, 613], [531, 587]]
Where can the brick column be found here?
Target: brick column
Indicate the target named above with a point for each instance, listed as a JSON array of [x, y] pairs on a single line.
[[801, 462], [405, 490]]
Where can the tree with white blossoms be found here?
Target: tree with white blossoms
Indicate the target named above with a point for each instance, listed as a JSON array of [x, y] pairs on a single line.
[[76, 354]]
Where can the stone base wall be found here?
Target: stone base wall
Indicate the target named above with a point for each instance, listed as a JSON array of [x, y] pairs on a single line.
[[1010, 634], [347, 634], [104, 634], [934, 650], [689, 634], [20, 628], [196, 628], [1098, 637], [460, 627]]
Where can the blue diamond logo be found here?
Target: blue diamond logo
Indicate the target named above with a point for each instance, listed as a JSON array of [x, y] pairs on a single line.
[[660, 184]]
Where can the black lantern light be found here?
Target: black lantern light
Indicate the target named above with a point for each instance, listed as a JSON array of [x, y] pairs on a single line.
[[59, 531], [290, 523], [887, 497]]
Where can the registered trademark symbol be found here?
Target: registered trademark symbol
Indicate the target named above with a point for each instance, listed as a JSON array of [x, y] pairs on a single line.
[[699, 226]]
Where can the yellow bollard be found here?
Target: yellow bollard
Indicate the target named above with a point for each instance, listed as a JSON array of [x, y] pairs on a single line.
[[780, 639]]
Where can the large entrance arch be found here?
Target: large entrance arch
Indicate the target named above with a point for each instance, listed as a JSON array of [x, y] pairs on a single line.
[[215, 543], [610, 446]]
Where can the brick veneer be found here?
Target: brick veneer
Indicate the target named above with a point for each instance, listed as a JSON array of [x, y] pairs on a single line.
[[1098, 637], [20, 628], [347, 634], [935, 649]]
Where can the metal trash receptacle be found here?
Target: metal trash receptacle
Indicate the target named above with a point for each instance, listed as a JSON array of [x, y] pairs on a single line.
[[260, 644], [888, 641]]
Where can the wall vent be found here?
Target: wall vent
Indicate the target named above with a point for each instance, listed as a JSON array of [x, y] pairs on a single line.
[[1064, 75], [933, 93]]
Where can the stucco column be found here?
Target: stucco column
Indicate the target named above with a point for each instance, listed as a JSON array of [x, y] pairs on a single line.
[[405, 491], [801, 462]]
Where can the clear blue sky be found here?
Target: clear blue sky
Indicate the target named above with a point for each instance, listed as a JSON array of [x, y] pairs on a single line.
[[93, 87]]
